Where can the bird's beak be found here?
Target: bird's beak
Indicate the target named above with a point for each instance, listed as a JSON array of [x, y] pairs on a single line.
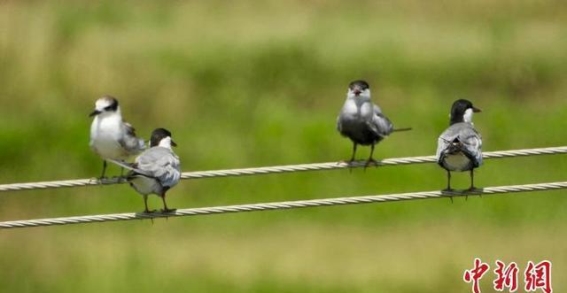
[[476, 110], [356, 91], [94, 113], [173, 143]]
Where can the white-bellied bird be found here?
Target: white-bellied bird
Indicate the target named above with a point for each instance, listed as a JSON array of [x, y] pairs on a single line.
[[111, 137], [157, 169], [459, 147], [362, 121]]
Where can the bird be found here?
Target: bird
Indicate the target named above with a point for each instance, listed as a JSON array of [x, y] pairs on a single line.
[[157, 169], [459, 147], [111, 137], [362, 121]]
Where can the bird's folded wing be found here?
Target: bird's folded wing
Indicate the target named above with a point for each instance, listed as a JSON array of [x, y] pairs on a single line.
[[130, 141], [472, 143], [339, 124], [166, 167], [159, 163], [130, 130], [380, 124], [130, 167], [469, 138], [442, 145]]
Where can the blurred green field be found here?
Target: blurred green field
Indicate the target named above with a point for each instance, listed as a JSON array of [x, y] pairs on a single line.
[[259, 83]]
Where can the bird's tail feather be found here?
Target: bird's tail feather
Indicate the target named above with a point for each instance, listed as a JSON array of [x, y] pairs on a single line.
[[129, 167], [402, 129]]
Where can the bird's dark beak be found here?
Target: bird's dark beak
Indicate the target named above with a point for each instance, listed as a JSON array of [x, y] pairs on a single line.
[[476, 110], [94, 113], [356, 91], [173, 143]]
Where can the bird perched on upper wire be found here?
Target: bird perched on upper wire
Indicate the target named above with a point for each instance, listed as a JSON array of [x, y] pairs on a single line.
[[111, 137], [459, 147], [362, 121], [156, 170]]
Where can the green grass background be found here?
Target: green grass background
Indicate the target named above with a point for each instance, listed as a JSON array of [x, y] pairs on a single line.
[[257, 83]]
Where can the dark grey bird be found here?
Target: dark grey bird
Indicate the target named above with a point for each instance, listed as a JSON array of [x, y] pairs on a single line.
[[459, 147], [156, 170], [362, 121], [111, 137]]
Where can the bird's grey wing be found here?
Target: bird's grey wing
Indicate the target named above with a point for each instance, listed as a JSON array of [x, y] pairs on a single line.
[[341, 120], [442, 146], [469, 138], [472, 142], [130, 142], [343, 124], [339, 124], [446, 139], [161, 163], [170, 173], [380, 124]]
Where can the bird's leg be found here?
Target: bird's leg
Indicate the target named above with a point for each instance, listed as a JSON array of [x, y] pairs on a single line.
[[147, 211], [349, 162], [472, 184], [103, 170], [449, 184], [371, 160], [449, 181], [472, 188], [354, 145], [165, 208]]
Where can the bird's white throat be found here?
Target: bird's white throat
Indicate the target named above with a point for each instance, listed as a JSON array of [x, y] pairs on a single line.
[[467, 117], [165, 142]]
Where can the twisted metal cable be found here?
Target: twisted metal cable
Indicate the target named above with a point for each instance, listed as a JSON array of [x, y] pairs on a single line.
[[281, 205], [279, 169]]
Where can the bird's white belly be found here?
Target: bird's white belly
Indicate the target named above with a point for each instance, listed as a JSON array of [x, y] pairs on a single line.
[[109, 149], [145, 185], [105, 137], [457, 162]]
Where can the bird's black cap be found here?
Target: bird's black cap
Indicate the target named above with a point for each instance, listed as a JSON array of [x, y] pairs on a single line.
[[359, 83], [459, 108], [158, 134]]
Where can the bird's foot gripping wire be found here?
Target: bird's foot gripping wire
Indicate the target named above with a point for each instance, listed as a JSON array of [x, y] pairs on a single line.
[[349, 163], [370, 162], [473, 191], [107, 180], [466, 192], [449, 192]]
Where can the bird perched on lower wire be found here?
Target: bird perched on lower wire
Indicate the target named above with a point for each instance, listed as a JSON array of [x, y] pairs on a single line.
[[459, 147], [111, 137], [362, 121], [157, 169]]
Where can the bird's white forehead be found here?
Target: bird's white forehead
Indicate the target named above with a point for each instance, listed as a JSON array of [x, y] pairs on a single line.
[[103, 103]]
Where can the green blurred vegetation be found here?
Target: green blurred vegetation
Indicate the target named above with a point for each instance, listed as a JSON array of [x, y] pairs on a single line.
[[255, 83]]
